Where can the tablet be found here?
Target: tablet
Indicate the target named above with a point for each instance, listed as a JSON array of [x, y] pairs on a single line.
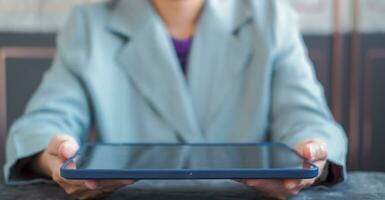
[[187, 161]]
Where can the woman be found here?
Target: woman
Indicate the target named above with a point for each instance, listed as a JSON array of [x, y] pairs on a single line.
[[177, 71]]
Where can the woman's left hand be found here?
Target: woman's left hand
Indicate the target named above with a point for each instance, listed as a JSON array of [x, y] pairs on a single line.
[[313, 150]]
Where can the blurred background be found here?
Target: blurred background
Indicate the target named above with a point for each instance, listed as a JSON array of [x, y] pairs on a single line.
[[346, 41]]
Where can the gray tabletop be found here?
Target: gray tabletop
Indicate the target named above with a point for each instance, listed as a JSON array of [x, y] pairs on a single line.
[[360, 185]]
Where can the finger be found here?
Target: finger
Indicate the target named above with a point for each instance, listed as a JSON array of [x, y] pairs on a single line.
[[114, 183], [291, 184], [321, 165], [74, 188], [305, 183], [313, 150], [71, 165], [66, 184], [107, 184], [62, 146], [105, 187], [67, 149], [91, 184], [265, 184], [92, 189], [298, 184], [77, 188], [75, 191], [55, 164], [272, 188]]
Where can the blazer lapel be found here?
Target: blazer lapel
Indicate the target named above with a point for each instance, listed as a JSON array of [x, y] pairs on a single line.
[[151, 64], [217, 58]]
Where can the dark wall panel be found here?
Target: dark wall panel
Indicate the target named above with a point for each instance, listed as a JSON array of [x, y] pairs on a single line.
[[376, 149], [372, 104], [27, 39], [23, 59], [319, 51], [23, 77]]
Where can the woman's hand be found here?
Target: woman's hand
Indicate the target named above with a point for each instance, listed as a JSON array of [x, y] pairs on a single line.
[[314, 150], [48, 163]]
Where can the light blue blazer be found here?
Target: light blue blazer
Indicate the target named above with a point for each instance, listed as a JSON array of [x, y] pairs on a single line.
[[116, 71]]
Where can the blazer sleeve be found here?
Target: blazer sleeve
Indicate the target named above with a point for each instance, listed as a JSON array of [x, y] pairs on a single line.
[[299, 110], [59, 105]]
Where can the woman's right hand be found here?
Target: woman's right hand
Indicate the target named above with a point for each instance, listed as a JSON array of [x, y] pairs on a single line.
[[61, 148]]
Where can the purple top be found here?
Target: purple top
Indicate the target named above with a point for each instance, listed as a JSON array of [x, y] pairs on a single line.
[[182, 49]]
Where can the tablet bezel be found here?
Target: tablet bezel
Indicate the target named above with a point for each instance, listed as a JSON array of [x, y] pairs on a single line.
[[235, 173]]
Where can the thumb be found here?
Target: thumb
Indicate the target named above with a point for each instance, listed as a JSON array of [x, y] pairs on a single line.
[[314, 150], [63, 146], [67, 149]]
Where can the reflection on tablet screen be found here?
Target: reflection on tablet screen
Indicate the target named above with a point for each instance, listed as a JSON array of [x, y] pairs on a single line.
[[165, 156]]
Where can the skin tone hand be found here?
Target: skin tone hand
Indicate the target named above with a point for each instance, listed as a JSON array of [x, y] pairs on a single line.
[[314, 150], [48, 163], [62, 147]]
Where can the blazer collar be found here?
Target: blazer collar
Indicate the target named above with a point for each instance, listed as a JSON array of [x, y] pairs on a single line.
[[219, 53], [149, 59]]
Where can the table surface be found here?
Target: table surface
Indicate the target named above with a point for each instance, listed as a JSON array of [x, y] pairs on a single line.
[[359, 185]]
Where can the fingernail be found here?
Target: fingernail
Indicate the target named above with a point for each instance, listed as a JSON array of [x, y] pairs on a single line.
[[67, 149], [323, 150], [90, 185], [312, 150]]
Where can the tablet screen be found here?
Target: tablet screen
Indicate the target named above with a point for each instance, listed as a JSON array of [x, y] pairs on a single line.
[[197, 156]]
